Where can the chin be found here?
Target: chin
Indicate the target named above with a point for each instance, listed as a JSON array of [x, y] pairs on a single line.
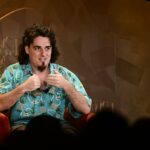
[[41, 68]]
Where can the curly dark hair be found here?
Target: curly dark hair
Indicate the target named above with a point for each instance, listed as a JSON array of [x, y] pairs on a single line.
[[30, 34]]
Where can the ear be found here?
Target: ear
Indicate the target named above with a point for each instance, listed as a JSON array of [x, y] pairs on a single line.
[[27, 49]]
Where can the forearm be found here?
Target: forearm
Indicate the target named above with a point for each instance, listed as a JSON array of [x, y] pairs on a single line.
[[77, 99], [9, 99]]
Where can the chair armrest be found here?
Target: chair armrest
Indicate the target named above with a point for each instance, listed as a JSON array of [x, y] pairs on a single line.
[[78, 122], [4, 127]]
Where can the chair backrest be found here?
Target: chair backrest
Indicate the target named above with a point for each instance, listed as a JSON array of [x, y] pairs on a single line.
[[4, 127]]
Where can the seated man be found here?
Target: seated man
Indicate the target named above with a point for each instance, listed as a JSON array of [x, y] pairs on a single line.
[[36, 85]]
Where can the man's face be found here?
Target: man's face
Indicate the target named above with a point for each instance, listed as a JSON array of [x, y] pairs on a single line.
[[39, 53]]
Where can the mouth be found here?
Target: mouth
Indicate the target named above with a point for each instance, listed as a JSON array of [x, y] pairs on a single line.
[[42, 61]]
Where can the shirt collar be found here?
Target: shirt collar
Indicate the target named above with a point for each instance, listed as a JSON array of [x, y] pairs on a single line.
[[27, 69]]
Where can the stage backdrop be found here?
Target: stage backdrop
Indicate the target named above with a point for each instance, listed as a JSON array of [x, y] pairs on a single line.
[[106, 43]]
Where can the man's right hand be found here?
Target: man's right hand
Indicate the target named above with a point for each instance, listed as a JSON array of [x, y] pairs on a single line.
[[32, 83]]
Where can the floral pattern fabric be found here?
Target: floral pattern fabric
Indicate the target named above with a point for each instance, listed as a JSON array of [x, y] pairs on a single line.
[[51, 101]]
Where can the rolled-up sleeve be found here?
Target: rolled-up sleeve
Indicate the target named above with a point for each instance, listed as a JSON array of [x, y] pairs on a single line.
[[74, 80]]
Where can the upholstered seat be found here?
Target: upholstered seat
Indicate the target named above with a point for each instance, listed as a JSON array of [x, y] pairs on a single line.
[[78, 123], [5, 128]]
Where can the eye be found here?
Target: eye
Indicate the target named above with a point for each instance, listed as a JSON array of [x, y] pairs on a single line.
[[37, 48], [48, 48]]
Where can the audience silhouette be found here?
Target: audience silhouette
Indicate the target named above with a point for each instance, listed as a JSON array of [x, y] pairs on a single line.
[[106, 129], [139, 133], [41, 132]]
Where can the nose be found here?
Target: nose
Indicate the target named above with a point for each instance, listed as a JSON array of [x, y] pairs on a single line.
[[43, 52]]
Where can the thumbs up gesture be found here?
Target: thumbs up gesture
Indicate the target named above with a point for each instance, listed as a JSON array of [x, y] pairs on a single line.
[[56, 79], [32, 83]]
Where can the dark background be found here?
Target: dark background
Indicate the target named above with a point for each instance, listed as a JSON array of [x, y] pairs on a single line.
[[106, 43]]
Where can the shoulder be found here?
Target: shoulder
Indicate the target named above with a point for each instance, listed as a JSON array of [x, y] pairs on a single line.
[[13, 68]]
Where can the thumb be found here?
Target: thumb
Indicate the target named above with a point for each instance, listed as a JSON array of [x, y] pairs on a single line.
[[55, 71]]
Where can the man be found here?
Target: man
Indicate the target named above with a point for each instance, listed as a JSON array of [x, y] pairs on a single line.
[[36, 85]]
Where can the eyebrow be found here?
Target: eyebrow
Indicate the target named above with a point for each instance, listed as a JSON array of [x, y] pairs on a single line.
[[40, 46]]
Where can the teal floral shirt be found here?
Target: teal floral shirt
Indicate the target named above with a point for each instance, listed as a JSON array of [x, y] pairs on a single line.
[[51, 101]]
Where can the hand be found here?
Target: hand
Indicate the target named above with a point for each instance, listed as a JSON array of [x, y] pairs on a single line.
[[32, 83], [56, 79]]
